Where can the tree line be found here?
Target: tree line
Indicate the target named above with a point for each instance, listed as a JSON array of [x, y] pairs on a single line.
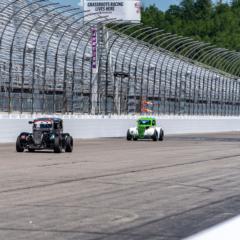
[[216, 23]]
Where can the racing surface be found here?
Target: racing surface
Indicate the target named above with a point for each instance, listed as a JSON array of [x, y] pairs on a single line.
[[117, 190]]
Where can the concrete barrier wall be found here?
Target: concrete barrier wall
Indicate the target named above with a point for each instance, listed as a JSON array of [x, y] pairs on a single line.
[[84, 126]]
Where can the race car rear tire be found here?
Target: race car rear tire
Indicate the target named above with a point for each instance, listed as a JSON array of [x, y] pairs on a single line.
[[19, 147], [69, 144], [155, 136], [161, 135], [129, 136], [57, 145]]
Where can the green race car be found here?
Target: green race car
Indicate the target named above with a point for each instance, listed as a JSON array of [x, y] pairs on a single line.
[[146, 129]]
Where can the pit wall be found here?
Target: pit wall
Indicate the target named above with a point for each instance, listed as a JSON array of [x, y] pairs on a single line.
[[86, 127]]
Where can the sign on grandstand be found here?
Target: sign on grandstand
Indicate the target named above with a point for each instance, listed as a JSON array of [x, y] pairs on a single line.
[[126, 10], [94, 48]]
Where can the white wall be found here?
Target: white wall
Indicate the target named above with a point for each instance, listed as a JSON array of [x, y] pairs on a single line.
[[84, 126]]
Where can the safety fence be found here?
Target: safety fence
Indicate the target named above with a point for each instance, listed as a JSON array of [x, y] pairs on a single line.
[[55, 60]]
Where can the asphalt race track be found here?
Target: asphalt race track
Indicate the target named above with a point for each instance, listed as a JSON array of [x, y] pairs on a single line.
[[117, 190]]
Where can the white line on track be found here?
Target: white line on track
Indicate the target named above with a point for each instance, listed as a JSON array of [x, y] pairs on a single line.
[[229, 230]]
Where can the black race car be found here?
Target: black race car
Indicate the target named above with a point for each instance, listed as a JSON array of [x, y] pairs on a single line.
[[47, 134]]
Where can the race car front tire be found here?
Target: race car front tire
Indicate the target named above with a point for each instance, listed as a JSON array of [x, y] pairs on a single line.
[[155, 136], [19, 147], [57, 145], [135, 138], [69, 144], [161, 135], [129, 136]]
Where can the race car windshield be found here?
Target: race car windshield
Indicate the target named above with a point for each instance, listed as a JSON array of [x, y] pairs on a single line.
[[144, 122], [42, 125]]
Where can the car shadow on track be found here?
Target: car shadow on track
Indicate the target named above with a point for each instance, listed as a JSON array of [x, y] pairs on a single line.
[[39, 151]]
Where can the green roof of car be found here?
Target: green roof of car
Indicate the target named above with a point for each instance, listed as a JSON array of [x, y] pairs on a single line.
[[146, 118]]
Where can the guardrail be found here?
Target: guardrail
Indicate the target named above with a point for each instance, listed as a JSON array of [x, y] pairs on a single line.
[[88, 126]]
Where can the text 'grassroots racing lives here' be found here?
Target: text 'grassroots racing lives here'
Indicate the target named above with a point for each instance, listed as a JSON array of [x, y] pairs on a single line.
[[128, 10]]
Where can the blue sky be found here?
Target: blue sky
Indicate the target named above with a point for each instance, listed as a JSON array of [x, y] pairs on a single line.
[[162, 4]]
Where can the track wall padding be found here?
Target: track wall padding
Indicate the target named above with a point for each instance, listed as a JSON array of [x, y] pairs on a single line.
[[84, 127]]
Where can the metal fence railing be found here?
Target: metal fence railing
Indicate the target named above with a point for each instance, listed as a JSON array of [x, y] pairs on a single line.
[[47, 66]]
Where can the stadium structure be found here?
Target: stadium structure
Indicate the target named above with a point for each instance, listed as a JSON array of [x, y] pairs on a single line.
[[49, 64]]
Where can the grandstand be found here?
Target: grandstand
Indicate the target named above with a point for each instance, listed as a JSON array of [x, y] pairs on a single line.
[[46, 66]]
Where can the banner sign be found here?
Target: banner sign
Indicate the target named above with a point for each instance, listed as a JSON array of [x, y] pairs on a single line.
[[126, 10], [94, 48]]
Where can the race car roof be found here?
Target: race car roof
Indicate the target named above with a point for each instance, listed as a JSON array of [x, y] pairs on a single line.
[[48, 119], [146, 118]]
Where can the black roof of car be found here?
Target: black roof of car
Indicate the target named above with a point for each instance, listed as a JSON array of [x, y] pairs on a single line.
[[48, 119]]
